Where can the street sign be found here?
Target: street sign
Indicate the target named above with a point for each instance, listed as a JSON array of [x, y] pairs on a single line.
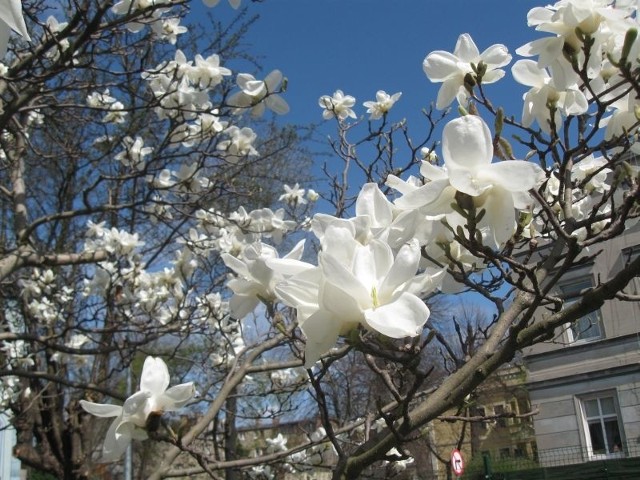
[[457, 464]]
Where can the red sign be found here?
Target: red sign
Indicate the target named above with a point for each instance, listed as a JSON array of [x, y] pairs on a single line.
[[457, 464]]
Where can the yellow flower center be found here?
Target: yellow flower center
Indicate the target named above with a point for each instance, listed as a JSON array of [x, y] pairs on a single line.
[[374, 297]]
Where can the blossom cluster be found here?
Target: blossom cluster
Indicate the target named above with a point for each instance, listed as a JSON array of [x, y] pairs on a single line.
[[153, 398], [374, 270]]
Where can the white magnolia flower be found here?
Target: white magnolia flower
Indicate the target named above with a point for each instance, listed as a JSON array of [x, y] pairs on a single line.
[[312, 195], [451, 68], [133, 153], [428, 155], [240, 143], [357, 284], [116, 113], [100, 100], [498, 188], [131, 418], [277, 444], [207, 72], [339, 106], [383, 103], [11, 19], [169, 29], [544, 93], [293, 195], [595, 171], [61, 44], [259, 94], [255, 281], [622, 123], [564, 19]]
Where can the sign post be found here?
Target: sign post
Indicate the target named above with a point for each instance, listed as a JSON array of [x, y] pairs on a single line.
[[457, 464]]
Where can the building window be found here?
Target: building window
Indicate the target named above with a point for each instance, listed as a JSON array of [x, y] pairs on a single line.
[[505, 453], [602, 425], [480, 412], [520, 451], [524, 408], [588, 327], [499, 410]]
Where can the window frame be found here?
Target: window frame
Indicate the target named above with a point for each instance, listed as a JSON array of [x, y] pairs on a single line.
[[587, 421], [500, 409], [570, 294], [481, 411]]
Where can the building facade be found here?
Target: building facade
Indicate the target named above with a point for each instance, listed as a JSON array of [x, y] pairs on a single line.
[[585, 382]]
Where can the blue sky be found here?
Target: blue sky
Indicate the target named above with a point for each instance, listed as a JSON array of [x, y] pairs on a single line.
[[361, 46]]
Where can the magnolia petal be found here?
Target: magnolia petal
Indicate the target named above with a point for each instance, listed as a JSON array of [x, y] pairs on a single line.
[[442, 205], [243, 287], [539, 15], [432, 172], [322, 221], [114, 444], [448, 92], [258, 110], [242, 305], [236, 265], [343, 279], [499, 218], [176, 397], [134, 405], [302, 293], [403, 269], [527, 109], [525, 50], [528, 73], [155, 376], [322, 331], [402, 228], [548, 49], [277, 104], [368, 261], [240, 100], [399, 185], [496, 56], [342, 305], [288, 266], [440, 65], [340, 240], [273, 80], [296, 252], [522, 200], [422, 196], [11, 14], [101, 409], [469, 182], [467, 143], [427, 282], [404, 317], [513, 175], [492, 76], [466, 49], [575, 103], [250, 86], [371, 201]]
